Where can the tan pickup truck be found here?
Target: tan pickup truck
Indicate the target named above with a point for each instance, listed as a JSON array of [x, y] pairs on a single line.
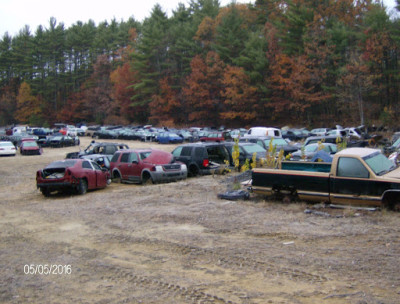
[[356, 176]]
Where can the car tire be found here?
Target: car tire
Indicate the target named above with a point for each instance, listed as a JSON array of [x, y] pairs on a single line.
[[146, 179], [45, 191], [116, 177], [83, 186], [193, 171]]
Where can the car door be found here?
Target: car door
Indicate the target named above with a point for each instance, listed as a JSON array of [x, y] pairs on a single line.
[[129, 166], [134, 168], [124, 165], [183, 154], [352, 183], [90, 174], [101, 176]]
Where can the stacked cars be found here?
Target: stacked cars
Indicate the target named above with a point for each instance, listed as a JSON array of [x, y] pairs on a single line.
[[211, 154]]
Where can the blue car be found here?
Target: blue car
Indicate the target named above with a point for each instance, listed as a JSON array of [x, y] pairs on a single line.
[[169, 138]]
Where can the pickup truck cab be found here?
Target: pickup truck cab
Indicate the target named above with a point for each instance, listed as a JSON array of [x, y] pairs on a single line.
[[356, 176]]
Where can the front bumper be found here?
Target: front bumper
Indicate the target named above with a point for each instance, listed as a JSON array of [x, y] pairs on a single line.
[[168, 176]]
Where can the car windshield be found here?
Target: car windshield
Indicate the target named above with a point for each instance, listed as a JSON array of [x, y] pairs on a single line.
[[311, 148], [62, 164], [89, 149], [144, 155], [379, 163], [396, 143], [330, 148], [253, 148], [30, 144]]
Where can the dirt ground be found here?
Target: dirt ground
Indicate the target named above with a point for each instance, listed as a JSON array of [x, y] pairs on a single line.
[[179, 243]]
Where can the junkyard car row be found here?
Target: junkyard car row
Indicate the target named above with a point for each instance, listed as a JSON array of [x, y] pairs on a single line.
[[94, 167]]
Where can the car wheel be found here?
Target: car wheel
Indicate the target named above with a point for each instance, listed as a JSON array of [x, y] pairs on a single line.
[[116, 177], [45, 191], [146, 179], [83, 186], [193, 171]]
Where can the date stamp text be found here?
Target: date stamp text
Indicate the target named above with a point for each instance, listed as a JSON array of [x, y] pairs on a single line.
[[47, 269]]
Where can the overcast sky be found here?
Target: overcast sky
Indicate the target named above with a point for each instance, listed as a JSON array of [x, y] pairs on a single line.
[[15, 14]]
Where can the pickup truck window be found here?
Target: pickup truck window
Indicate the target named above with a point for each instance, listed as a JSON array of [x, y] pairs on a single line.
[[351, 167], [379, 163]]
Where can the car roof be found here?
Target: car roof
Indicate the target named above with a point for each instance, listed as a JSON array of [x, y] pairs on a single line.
[[325, 144], [259, 137], [322, 136], [361, 152], [201, 144], [107, 144], [230, 143]]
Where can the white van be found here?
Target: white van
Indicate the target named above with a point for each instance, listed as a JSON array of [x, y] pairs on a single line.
[[263, 131]]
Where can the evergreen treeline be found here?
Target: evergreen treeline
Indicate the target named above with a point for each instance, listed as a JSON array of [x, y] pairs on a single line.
[[273, 62]]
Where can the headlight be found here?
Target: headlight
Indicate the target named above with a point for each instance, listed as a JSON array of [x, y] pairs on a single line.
[[159, 169], [183, 167]]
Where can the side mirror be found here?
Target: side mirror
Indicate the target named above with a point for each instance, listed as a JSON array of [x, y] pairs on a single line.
[[135, 162]]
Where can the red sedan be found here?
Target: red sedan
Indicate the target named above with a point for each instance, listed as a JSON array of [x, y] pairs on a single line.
[[78, 175], [30, 147]]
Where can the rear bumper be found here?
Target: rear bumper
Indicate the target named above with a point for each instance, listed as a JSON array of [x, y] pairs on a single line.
[[31, 152], [53, 186]]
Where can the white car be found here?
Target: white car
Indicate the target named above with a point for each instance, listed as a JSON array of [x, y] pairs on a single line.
[[7, 148]]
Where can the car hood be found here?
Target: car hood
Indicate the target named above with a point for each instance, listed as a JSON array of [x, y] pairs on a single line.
[[159, 157], [393, 174]]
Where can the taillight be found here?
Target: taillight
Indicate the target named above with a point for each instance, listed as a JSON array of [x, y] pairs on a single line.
[[206, 163]]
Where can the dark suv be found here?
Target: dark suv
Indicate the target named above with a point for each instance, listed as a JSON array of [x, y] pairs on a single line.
[[202, 158]]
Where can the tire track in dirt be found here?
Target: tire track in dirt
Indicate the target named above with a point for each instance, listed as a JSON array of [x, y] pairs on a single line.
[[168, 289], [220, 257]]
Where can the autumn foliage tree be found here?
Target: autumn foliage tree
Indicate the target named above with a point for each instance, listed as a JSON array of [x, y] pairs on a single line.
[[122, 78], [202, 94], [28, 106], [165, 107], [240, 102], [265, 62]]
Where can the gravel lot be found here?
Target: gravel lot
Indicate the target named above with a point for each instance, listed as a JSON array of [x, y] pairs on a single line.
[[179, 243]]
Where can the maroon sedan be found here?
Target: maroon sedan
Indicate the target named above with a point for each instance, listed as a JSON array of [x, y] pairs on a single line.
[[30, 147], [78, 175]]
